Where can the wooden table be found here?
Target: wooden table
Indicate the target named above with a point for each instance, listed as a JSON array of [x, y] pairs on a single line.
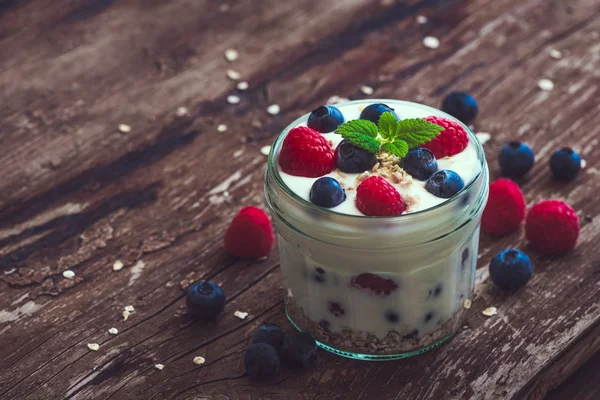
[[78, 194]]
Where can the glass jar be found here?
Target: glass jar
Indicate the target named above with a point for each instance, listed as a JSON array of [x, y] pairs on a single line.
[[377, 288]]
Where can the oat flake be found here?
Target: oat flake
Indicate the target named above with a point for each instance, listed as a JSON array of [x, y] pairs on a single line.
[[233, 99], [240, 314], [221, 127], [467, 303], [431, 42], [233, 75], [113, 331], [490, 311], [182, 112], [129, 308], [367, 90], [159, 367], [337, 99], [556, 54], [583, 163], [483, 137], [545, 85], [93, 346], [126, 315], [273, 109], [421, 19], [265, 150], [124, 128], [243, 85], [68, 274], [231, 54], [118, 265], [199, 360]]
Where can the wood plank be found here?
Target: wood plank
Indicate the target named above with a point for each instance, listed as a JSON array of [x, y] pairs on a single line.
[[78, 194]]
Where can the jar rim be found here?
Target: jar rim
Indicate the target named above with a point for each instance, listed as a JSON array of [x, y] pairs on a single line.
[[273, 169]]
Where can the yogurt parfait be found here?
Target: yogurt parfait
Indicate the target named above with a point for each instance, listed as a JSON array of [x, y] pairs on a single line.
[[377, 207]]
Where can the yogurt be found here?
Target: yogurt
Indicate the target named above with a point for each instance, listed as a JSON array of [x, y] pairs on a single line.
[[378, 287]]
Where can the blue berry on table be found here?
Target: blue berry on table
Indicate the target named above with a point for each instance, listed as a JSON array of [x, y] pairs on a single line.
[[565, 164], [461, 106], [327, 192], [510, 269], [374, 111], [262, 361], [325, 119], [270, 334], [205, 300], [444, 184], [299, 349], [420, 163], [352, 159], [516, 159]]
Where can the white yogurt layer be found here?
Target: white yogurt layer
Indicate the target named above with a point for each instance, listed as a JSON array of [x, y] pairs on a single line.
[[466, 164]]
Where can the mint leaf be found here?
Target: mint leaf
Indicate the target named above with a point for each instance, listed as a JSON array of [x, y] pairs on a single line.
[[360, 126], [397, 147], [363, 141], [416, 131], [388, 125]]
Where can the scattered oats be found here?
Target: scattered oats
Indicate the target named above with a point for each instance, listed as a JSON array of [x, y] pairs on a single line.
[[421, 19], [129, 308], [10, 271], [199, 360], [181, 112], [337, 99], [363, 176], [265, 150], [490, 311], [233, 99], [583, 163], [126, 315], [467, 303], [233, 75], [545, 84], [221, 127], [556, 54], [118, 265], [431, 42], [68, 274], [273, 109], [231, 54], [240, 314], [113, 331], [367, 90], [243, 85], [124, 128], [159, 367], [396, 177], [483, 137], [93, 346], [238, 153]]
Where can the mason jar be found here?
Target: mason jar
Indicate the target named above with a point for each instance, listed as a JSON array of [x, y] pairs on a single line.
[[420, 266]]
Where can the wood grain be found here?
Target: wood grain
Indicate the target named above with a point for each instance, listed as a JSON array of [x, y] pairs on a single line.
[[78, 194]]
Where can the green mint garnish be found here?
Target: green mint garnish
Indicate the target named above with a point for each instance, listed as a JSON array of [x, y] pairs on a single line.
[[389, 135]]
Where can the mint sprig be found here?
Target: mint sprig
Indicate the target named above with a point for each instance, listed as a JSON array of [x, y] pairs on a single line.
[[389, 135]]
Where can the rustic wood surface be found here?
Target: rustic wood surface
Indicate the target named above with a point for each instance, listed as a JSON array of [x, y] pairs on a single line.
[[77, 194]]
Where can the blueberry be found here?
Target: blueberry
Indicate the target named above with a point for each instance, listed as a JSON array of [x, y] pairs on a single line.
[[319, 275], [510, 269], [205, 300], [325, 119], [299, 349], [262, 361], [461, 106], [270, 334], [516, 159], [429, 316], [350, 158], [420, 163], [392, 316], [444, 184], [565, 164], [373, 112], [327, 192]]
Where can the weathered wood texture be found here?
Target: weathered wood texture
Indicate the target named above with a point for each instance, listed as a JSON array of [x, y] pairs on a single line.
[[76, 193]]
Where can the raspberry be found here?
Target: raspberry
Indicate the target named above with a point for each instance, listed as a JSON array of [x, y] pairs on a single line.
[[505, 209], [452, 140], [305, 152], [378, 198], [377, 284], [552, 227], [250, 234]]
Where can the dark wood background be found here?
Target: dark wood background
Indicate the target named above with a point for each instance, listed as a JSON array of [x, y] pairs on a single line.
[[75, 193]]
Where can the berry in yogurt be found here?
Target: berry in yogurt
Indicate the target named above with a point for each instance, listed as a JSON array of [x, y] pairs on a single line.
[[325, 119]]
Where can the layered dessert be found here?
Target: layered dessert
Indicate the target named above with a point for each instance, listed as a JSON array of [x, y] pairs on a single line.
[[377, 207]]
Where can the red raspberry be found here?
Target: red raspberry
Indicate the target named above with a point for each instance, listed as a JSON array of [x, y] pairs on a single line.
[[376, 197], [305, 152], [505, 209], [552, 227], [250, 234], [452, 140], [377, 284]]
